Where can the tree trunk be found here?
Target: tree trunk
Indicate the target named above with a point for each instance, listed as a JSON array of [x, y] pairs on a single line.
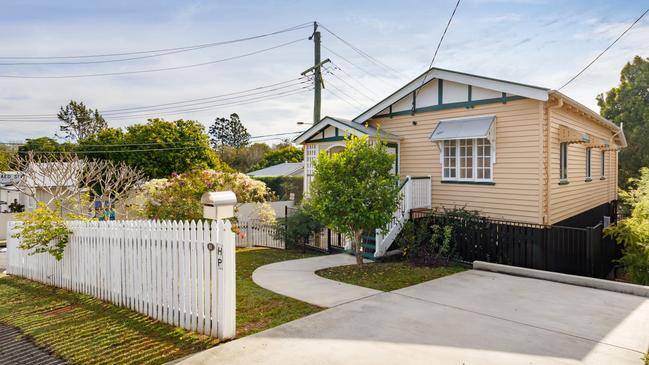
[[356, 244]]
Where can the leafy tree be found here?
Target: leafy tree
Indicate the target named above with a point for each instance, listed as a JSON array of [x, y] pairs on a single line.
[[229, 132], [628, 103], [43, 230], [354, 191], [633, 232], [280, 154], [46, 147], [161, 147], [243, 158], [79, 121], [6, 155]]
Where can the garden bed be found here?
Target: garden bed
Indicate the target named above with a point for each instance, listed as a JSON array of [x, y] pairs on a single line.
[[387, 276]]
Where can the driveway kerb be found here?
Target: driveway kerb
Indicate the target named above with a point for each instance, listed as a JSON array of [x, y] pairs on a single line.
[[616, 286]]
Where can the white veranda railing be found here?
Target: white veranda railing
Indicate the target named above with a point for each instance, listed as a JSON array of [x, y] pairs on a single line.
[[415, 193], [181, 273]]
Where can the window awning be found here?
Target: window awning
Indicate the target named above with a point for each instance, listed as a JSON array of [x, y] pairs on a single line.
[[465, 128]]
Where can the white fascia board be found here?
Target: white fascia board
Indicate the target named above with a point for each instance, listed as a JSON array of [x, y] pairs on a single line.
[[398, 95], [322, 124], [493, 84], [487, 83]]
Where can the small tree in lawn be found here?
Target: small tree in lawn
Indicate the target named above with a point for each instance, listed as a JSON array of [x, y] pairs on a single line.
[[354, 191]]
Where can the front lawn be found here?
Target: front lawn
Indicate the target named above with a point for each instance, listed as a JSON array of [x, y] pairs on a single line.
[[86, 330], [257, 308], [387, 276]]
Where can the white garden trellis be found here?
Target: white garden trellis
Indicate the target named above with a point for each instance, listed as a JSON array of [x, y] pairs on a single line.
[[180, 273]]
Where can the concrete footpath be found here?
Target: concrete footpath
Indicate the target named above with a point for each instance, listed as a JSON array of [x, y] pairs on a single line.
[[473, 317], [297, 279]]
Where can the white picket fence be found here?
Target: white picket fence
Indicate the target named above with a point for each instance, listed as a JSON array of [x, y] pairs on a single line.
[[180, 273], [255, 233]]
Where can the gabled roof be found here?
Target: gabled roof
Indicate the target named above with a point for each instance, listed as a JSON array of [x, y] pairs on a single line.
[[509, 87], [344, 125], [515, 88], [282, 169]]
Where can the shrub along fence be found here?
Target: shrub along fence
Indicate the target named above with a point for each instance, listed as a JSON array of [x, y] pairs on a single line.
[[577, 251], [179, 273]]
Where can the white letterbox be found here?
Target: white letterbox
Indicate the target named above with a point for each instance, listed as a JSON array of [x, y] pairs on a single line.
[[218, 204]]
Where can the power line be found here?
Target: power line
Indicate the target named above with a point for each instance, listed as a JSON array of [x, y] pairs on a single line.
[[368, 73], [343, 99], [337, 67], [157, 69], [156, 143], [606, 49], [358, 102], [167, 50], [258, 139], [364, 54], [199, 105], [116, 151], [439, 44], [109, 111], [183, 111], [349, 84]]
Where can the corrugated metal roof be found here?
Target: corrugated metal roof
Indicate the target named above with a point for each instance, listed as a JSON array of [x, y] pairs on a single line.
[[283, 169]]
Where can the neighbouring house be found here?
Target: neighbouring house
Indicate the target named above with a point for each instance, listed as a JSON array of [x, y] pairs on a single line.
[[282, 169], [8, 192], [41, 182], [508, 150]]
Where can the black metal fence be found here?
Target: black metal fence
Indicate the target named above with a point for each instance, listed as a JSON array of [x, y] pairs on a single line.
[[325, 240], [577, 251]]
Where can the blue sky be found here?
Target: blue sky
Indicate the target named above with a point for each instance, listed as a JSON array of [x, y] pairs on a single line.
[[540, 42]]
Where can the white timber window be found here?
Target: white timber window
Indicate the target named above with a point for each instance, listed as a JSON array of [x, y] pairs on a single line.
[[563, 162], [467, 160], [589, 163], [310, 154], [603, 164], [467, 148]]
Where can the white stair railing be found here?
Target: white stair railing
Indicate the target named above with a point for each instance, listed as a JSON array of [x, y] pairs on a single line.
[[415, 192]]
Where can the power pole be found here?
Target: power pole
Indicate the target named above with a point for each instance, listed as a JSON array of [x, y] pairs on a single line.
[[317, 73]]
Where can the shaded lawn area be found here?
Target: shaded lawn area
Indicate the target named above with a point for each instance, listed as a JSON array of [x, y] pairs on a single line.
[[387, 276], [257, 308], [86, 330]]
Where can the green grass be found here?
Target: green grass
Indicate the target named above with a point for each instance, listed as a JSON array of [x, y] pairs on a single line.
[[387, 276], [86, 330], [257, 308]]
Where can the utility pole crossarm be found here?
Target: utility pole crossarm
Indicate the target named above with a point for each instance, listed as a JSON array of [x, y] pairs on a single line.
[[315, 66]]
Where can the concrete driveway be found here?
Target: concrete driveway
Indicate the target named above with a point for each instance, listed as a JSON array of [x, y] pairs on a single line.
[[474, 317]]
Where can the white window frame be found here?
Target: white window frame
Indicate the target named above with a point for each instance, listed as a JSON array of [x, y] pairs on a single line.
[[563, 162], [602, 164], [474, 160], [589, 163]]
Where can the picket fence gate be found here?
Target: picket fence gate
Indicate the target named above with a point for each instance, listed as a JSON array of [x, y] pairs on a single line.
[[254, 232], [180, 273]]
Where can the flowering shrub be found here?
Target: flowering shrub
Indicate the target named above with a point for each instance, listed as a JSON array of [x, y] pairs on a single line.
[[179, 197]]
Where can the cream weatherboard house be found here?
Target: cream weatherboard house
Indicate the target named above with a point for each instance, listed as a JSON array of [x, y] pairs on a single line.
[[510, 151]]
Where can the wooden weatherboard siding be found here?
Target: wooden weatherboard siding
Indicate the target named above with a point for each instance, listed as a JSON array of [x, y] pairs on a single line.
[[579, 195], [517, 192]]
